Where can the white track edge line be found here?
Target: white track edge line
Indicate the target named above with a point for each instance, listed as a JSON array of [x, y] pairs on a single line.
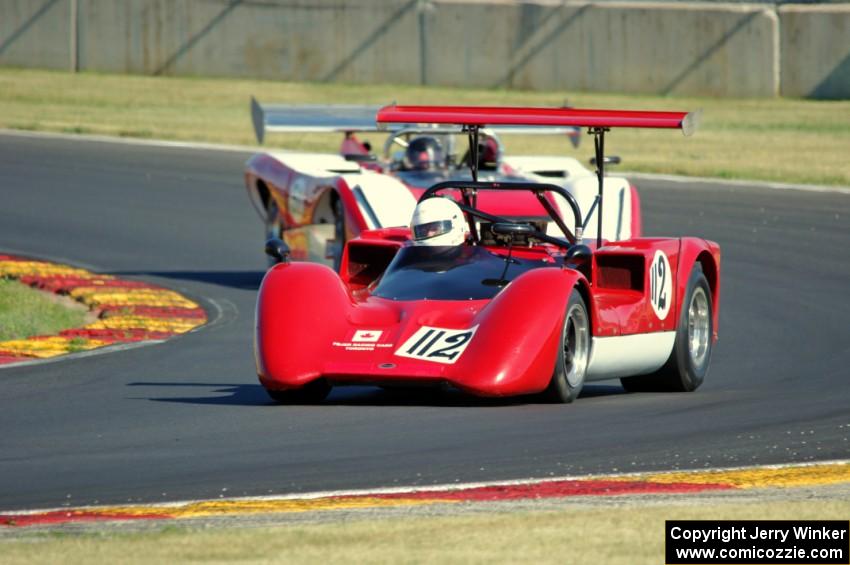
[[436, 489], [131, 141], [737, 182], [82, 354]]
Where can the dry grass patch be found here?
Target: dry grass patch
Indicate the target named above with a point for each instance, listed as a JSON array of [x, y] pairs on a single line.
[[631, 534], [26, 312]]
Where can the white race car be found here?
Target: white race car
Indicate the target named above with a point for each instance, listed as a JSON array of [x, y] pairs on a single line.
[[316, 202]]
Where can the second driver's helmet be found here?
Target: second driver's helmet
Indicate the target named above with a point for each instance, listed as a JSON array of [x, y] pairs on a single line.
[[437, 222], [424, 154], [489, 154]]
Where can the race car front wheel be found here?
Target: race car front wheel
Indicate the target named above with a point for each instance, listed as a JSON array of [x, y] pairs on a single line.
[[273, 229], [573, 353], [687, 366]]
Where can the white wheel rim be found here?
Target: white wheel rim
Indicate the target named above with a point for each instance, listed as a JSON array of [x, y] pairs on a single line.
[[576, 345], [698, 327]]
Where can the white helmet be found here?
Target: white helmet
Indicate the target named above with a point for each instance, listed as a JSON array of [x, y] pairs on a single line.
[[438, 221]]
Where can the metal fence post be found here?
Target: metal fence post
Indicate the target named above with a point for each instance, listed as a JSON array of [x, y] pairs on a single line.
[[74, 36], [422, 8]]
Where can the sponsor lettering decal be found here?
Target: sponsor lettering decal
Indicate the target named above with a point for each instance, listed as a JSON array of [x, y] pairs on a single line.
[[363, 340], [438, 345], [660, 285], [366, 336]]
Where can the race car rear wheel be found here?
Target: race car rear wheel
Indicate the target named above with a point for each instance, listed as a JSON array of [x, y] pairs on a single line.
[[687, 366], [573, 353], [310, 393]]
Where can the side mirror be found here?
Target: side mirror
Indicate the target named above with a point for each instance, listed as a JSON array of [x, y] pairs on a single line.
[[277, 249], [609, 160], [504, 228]]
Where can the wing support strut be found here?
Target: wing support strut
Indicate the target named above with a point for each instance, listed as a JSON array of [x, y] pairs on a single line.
[[598, 134], [470, 196]]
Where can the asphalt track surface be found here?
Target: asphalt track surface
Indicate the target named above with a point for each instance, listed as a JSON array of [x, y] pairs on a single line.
[[188, 419]]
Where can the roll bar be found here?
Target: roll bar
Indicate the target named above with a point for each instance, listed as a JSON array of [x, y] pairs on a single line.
[[469, 189]]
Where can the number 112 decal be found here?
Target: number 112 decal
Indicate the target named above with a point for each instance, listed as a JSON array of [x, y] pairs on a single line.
[[437, 344], [660, 285]]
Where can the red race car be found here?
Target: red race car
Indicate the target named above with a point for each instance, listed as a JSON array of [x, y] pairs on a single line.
[[490, 305]]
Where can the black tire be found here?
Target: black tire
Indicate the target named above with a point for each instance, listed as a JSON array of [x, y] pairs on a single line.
[[339, 233], [272, 229], [311, 393], [687, 366], [573, 354]]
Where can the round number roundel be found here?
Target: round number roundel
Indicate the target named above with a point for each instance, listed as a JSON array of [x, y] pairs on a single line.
[[660, 285]]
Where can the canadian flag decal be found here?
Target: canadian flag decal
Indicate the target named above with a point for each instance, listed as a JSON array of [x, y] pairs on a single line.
[[366, 336]]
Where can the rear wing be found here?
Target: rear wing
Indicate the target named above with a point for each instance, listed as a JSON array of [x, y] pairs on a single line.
[[495, 116], [312, 118], [474, 118], [339, 118]]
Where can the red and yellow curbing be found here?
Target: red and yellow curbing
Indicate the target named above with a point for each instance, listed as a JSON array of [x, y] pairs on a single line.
[[687, 482], [127, 311]]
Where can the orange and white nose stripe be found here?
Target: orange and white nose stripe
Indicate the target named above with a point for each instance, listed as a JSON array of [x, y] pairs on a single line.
[[127, 311]]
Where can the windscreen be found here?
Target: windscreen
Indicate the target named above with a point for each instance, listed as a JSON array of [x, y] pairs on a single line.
[[462, 272]]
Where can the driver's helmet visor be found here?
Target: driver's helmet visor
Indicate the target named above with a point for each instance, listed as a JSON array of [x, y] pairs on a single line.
[[431, 229]]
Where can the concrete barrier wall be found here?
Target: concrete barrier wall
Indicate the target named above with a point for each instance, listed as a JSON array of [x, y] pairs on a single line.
[[351, 40], [701, 49], [666, 48], [816, 51], [35, 33]]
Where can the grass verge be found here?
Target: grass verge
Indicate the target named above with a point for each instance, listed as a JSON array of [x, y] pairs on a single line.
[[781, 140], [26, 312], [579, 534]]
